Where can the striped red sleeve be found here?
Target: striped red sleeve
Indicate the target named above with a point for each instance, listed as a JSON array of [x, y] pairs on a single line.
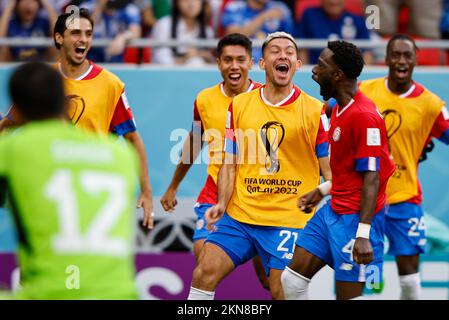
[[440, 129], [123, 120], [230, 145], [322, 142]]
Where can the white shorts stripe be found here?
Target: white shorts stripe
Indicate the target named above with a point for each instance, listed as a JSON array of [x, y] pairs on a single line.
[[362, 273]]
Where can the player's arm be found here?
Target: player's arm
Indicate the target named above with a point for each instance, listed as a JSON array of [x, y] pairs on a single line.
[[309, 200], [123, 124], [145, 200], [367, 163], [225, 188], [363, 253], [8, 120], [190, 151], [226, 175], [440, 129]]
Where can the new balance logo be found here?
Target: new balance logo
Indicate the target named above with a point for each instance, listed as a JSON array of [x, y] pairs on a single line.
[[346, 267]]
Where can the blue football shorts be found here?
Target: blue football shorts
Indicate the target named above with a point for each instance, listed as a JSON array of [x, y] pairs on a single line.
[[242, 241], [201, 231], [405, 229], [331, 236]]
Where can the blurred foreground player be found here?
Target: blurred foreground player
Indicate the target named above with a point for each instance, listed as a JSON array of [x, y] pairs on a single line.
[[347, 233], [413, 116], [275, 145], [71, 194], [209, 120], [96, 97]]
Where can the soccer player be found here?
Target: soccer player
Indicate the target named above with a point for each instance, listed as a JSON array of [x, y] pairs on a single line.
[[71, 193], [347, 232], [209, 119], [412, 115], [96, 98], [275, 145]]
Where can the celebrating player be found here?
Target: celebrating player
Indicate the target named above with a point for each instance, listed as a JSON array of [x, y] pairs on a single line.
[[347, 233], [209, 115], [412, 115], [275, 145], [71, 193], [96, 98]]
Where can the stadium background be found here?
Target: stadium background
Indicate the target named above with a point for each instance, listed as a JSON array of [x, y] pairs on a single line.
[[162, 100]]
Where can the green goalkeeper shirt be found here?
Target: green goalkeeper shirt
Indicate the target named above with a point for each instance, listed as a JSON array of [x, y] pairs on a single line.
[[72, 195]]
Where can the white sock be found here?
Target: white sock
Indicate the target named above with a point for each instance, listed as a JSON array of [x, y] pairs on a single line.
[[358, 298], [198, 294], [295, 285], [410, 286]]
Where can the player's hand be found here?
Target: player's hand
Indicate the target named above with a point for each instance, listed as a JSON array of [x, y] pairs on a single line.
[[309, 200], [213, 214], [117, 46], [145, 201], [168, 200], [362, 251]]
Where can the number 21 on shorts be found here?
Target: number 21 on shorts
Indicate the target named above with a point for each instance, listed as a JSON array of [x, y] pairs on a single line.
[[286, 235]]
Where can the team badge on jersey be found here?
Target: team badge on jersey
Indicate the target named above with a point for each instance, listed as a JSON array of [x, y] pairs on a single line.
[[337, 133], [373, 137]]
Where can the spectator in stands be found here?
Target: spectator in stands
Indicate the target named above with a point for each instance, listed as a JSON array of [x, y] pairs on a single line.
[[187, 22], [60, 5], [424, 17], [444, 27], [162, 8], [256, 19], [330, 21], [20, 18], [147, 15], [118, 20]]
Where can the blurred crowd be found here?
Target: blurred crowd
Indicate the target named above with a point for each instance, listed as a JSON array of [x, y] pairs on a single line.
[[124, 20]]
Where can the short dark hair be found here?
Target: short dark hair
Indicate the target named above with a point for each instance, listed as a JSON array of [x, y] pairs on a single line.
[[37, 91], [401, 36], [61, 23], [348, 58], [234, 39]]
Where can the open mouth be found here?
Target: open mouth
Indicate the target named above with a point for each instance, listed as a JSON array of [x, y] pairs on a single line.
[[282, 68], [234, 77], [402, 71], [80, 50]]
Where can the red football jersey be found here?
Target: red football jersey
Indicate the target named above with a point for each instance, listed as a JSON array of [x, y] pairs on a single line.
[[358, 143]]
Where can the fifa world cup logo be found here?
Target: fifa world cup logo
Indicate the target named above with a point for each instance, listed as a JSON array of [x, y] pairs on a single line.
[[272, 134], [393, 121], [75, 107]]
